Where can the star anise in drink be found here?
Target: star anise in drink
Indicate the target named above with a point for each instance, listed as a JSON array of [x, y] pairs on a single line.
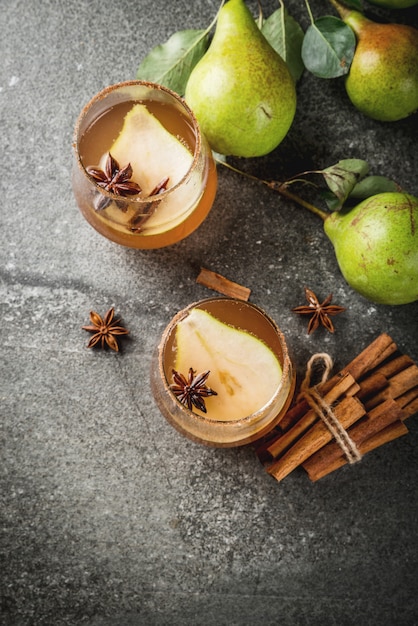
[[192, 390], [147, 210], [320, 311], [115, 179], [105, 330]]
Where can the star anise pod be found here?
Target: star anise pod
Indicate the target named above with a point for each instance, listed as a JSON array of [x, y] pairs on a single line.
[[105, 330], [320, 312], [147, 210], [115, 178], [191, 390]]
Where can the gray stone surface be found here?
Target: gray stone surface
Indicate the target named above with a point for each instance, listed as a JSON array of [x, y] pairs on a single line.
[[109, 516]]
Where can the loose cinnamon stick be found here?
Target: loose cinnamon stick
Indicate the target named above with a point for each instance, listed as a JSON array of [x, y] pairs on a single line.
[[347, 412], [330, 456], [281, 443], [219, 283]]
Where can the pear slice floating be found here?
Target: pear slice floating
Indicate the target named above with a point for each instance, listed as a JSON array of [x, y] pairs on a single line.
[[155, 154], [244, 372], [152, 151]]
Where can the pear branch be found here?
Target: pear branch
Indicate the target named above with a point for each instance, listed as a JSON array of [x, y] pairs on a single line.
[[281, 188]]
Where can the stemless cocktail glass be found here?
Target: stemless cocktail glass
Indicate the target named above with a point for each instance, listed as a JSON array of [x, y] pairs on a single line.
[[226, 432], [142, 221]]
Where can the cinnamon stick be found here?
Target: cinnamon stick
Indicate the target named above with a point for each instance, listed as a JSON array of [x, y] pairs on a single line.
[[395, 365], [343, 382], [330, 456], [409, 402], [377, 380], [223, 285], [400, 383], [372, 384], [372, 356], [281, 443], [391, 432], [347, 412]]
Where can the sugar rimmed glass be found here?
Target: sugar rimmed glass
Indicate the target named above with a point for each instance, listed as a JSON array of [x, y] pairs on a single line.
[[98, 125], [201, 429]]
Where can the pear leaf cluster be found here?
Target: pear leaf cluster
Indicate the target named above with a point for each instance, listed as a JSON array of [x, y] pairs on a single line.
[[328, 47], [171, 63], [342, 177], [372, 185], [285, 35], [348, 180]]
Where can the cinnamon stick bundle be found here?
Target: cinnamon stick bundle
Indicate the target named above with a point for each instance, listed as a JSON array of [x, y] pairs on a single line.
[[368, 360], [370, 398]]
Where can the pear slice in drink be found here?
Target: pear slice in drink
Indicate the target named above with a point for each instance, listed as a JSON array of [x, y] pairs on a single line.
[[155, 154], [244, 372]]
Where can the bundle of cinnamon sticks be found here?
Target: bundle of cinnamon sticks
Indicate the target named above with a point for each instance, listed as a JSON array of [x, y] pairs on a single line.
[[371, 398]]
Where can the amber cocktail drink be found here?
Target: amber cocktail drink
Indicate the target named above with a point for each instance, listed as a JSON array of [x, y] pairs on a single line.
[[222, 374], [143, 175]]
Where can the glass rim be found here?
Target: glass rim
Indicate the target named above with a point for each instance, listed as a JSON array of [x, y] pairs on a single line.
[[102, 94], [287, 370]]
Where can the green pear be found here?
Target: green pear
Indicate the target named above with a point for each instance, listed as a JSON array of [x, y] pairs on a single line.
[[376, 245], [244, 372], [241, 91], [383, 78]]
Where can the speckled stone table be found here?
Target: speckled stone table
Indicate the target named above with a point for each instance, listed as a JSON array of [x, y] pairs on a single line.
[[109, 516]]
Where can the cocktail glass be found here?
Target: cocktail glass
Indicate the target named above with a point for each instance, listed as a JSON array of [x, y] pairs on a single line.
[[152, 221], [225, 432]]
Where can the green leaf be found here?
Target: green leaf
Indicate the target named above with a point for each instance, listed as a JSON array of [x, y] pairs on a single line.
[[171, 63], [371, 185], [342, 178], [285, 35], [328, 47]]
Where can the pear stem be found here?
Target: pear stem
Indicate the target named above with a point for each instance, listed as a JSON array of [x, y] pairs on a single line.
[[215, 19], [308, 8], [342, 10], [281, 188]]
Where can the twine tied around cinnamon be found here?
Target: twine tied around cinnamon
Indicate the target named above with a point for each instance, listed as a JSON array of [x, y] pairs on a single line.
[[324, 410]]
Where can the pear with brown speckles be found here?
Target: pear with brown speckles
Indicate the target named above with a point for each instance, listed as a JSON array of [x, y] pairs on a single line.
[[383, 79], [376, 245]]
